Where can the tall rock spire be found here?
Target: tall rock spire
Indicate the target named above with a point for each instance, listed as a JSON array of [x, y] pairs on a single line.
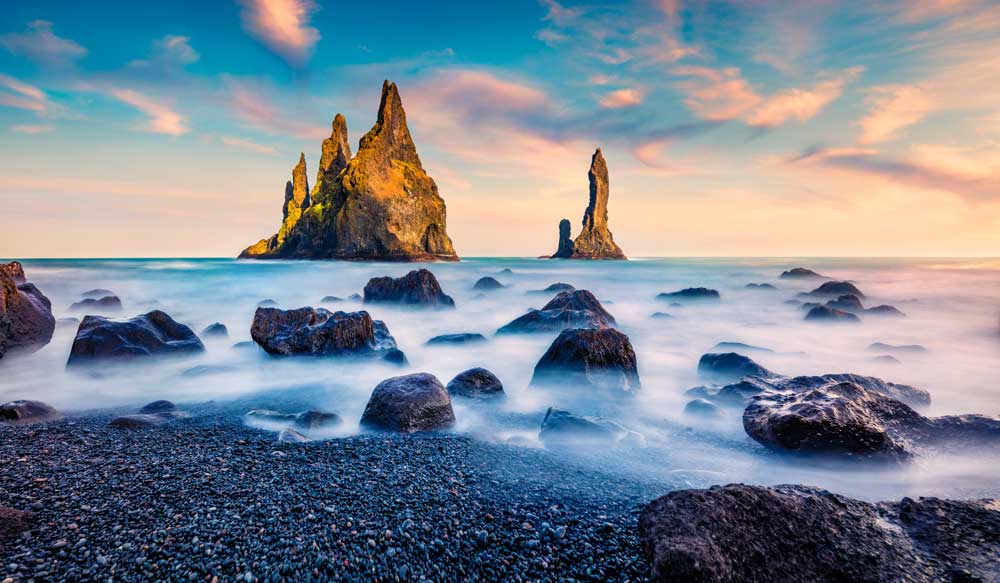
[[390, 136], [335, 155], [296, 198], [565, 249], [595, 240]]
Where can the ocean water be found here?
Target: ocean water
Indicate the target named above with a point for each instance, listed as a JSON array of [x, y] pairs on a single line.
[[952, 308]]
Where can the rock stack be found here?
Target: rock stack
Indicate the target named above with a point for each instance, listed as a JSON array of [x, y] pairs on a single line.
[[379, 205], [595, 240]]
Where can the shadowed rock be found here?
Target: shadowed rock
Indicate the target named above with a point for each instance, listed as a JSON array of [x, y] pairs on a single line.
[[846, 303], [734, 346], [216, 330], [569, 309], [381, 205], [417, 288], [24, 412], [105, 304], [794, 534], [691, 294], [729, 366], [464, 338], [97, 293], [564, 250], [826, 314], [884, 310], [905, 348], [835, 289], [487, 284], [661, 316], [760, 286], [554, 288], [800, 273], [738, 394], [410, 403], [319, 332], [26, 320], [157, 407], [598, 358], [701, 408], [476, 383], [846, 419], [311, 419], [137, 421], [564, 428], [154, 333], [331, 300]]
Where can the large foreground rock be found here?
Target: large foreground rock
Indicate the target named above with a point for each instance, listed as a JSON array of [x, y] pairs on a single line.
[[26, 411], [795, 534], [847, 420], [26, 320], [154, 333], [410, 403], [379, 205], [569, 309], [600, 358], [595, 240], [319, 332], [417, 288]]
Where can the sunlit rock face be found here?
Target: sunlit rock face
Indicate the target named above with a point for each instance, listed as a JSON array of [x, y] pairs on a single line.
[[26, 321], [595, 240], [378, 205]]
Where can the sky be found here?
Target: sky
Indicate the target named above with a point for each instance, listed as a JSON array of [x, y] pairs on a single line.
[[743, 128]]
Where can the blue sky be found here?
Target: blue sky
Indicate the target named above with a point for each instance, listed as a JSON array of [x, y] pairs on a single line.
[[731, 128]]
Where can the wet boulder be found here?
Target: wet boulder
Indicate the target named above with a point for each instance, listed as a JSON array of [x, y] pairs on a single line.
[[564, 428], [487, 284], [152, 334], [417, 288], [159, 407], [26, 320], [216, 330], [319, 332], [691, 295], [597, 358], [847, 420], [410, 403], [800, 273], [729, 366], [569, 309], [825, 314], [24, 412], [793, 534], [476, 383], [462, 338], [104, 304], [395, 356], [739, 393], [835, 289]]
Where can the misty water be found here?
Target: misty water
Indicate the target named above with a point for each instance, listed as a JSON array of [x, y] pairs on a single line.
[[951, 307]]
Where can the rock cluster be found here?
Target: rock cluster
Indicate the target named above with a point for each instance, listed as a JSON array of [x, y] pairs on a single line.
[[378, 205], [788, 534], [26, 320], [595, 240], [319, 332]]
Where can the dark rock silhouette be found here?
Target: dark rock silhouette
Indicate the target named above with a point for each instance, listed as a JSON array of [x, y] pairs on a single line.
[[800, 273], [415, 402], [155, 333], [417, 288], [378, 205], [217, 330], [595, 240], [835, 289], [883, 347], [599, 358], [23, 412], [744, 533], [691, 294], [825, 314], [319, 332], [569, 309], [105, 304], [738, 394], [476, 383], [729, 366], [487, 283], [461, 338]]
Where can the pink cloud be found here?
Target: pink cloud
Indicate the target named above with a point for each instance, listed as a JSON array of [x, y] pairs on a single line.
[[249, 145], [162, 119], [283, 26], [255, 104], [41, 45], [31, 129], [892, 109], [620, 98], [20, 95], [800, 104]]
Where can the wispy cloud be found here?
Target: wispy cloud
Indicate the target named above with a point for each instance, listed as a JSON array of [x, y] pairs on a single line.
[[161, 118], [628, 97], [31, 129], [893, 108], [801, 104], [283, 26], [20, 95], [43, 46], [245, 144]]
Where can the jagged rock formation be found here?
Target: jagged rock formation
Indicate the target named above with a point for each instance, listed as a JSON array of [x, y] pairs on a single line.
[[595, 240], [378, 205]]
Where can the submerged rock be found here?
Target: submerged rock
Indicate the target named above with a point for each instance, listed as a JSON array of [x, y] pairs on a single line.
[[738, 346], [331, 300], [884, 310], [137, 421], [487, 284], [97, 293], [835, 289], [595, 240], [598, 358], [564, 428], [159, 407], [379, 205], [26, 320], [760, 286], [464, 338], [800, 273], [216, 330], [906, 348], [154, 333], [740, 392], [701, 408], [846, 419], [311, 419], [26, 411], [691, 294], [556, 288], [825, 314], [730, 366], [410, 403], [569, 309], [661, 316], [476, 383], [319, 332], [793, 534], [289, 435], [417, 288]]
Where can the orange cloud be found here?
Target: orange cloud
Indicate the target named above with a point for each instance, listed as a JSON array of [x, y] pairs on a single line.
[[622, 98], [162, 119], [283, 26], [893, 108], [800, 104]]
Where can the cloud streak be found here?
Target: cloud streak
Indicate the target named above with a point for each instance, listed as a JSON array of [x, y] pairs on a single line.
[[39, 44], [283, 26], [161, 118]]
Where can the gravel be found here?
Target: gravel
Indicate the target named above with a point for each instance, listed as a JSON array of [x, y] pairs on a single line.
[[207, 498]]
